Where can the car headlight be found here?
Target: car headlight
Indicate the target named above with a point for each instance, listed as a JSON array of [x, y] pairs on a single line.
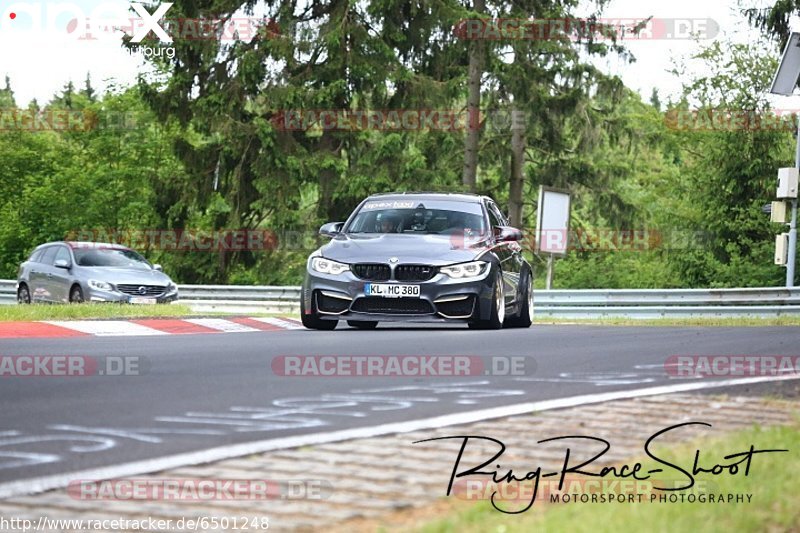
[[326, 266], [172, 288], [100, 285], [465, 270]]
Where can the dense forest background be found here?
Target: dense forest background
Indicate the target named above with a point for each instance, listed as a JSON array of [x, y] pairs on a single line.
[[195, 145]]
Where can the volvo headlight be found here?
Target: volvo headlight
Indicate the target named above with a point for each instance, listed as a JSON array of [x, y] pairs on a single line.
[[100, 285], [465, 270], [326, 266]]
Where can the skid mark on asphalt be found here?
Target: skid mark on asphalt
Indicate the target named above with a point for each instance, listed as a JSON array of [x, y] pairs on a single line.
[[291, 413], [640, 374], [17, 459]]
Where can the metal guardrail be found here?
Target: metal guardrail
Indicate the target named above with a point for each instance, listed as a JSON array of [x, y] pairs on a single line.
[[584, 303], [673, 303], [240, 298], [8, 291]]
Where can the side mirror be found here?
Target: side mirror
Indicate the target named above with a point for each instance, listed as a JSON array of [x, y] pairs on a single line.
[[331, 229], [158, 267], [62, 263], [507, 234]]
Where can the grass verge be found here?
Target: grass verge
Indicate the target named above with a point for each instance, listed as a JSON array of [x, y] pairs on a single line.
[[772, 482], [722, 321]]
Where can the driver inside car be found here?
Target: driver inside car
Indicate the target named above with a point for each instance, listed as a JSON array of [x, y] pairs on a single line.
[[388, 224]]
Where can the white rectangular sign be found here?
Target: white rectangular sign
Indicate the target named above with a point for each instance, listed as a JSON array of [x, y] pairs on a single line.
[[552, 221]]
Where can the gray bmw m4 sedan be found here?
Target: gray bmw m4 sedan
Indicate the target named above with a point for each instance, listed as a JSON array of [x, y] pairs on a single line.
[[419, 257]]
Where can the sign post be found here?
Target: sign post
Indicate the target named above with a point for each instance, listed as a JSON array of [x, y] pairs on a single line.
[[552, 226]]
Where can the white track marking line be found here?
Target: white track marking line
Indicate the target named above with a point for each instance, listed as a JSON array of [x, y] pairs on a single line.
[[41, 484], [221, 324], [279, 322], [107, 327]]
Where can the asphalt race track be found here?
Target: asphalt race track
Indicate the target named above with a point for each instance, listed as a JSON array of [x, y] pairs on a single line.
[[195, 392]]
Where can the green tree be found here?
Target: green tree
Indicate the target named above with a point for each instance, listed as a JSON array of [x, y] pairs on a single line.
[[7, 96], [731, 169]]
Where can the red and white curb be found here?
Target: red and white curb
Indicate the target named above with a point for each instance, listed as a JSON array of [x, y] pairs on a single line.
[[143, 327]]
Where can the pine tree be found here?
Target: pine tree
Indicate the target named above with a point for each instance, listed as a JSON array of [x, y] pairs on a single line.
[[7, 95], [88, 90], [655, 101]]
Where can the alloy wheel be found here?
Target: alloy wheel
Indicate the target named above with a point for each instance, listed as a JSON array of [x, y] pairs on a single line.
[[23, 295], [500, 299]]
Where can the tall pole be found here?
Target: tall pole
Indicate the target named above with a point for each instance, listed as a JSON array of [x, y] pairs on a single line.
[[792, 255], [548, 282]]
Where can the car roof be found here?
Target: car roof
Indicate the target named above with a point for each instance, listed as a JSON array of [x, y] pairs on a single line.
[[447, 196], [87, 244]]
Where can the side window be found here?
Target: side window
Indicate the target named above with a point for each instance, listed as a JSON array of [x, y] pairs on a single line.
[[62, 253], [493, 208], [49, 255], [36, 256], [493, 219]]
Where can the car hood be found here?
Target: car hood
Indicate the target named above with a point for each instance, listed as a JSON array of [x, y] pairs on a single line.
[[422, 249], [125, 275]]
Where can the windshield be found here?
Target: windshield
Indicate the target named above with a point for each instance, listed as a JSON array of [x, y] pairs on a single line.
[[107, 257], [420, 217]]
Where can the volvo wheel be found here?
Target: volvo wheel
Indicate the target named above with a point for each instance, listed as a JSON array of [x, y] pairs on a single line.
[[75, 295], [23, 294]]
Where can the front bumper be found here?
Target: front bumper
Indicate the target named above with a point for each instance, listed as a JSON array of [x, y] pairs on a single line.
[[442, 299], [99, 296]]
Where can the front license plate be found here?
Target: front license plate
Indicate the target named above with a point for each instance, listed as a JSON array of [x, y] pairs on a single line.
[[145, 301], [390, 290]]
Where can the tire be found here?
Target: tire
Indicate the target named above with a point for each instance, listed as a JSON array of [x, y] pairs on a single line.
[[23, 294], [363, 324], [498, 314], [524, 317], [76, 295], [312, 320]]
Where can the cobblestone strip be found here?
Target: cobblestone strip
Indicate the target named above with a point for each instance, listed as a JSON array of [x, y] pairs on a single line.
[[370, 478]]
